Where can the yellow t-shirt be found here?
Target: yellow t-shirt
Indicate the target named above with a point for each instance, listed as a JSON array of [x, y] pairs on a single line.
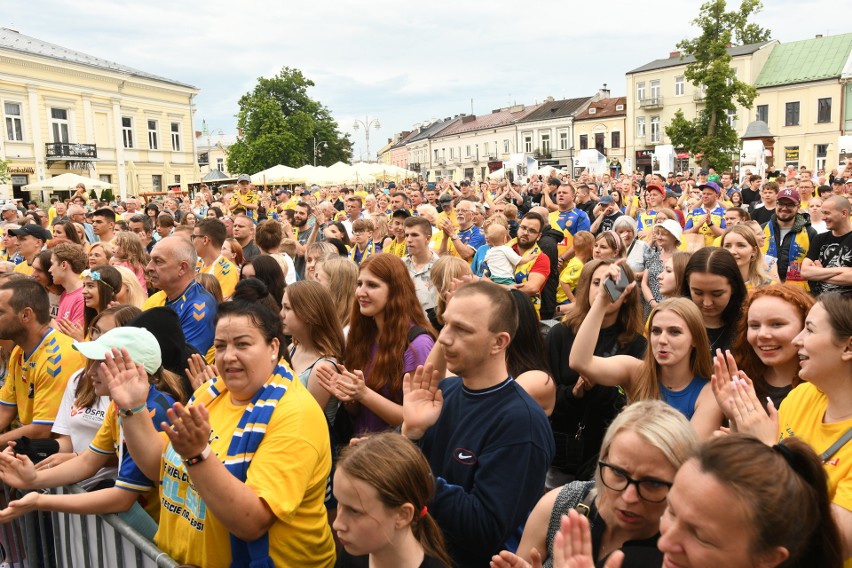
[[570, 275], [224, 271], [36, 382], [288, 471], [801, 415], [25, 268], [398, 249]]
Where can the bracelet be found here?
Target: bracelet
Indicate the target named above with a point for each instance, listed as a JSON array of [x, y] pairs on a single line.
[[205, 453], [132, 411]]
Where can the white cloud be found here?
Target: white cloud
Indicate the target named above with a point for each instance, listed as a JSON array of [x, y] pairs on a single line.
[[402, 62]]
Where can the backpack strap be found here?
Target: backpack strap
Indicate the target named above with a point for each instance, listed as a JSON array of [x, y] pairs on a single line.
[[414, 332]]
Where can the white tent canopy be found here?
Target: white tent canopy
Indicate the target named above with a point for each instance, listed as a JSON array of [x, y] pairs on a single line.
[[277, 175], [66, 182]]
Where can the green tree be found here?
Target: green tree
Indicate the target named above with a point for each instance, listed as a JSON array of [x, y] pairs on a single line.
[[279, 123], [709, 134], [4, 171], [107, 195]]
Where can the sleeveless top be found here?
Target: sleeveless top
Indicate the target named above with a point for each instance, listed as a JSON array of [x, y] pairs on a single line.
[[684, 400], [330, 409]]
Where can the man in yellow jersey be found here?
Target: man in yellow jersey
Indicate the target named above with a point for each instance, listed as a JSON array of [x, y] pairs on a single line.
[[208, 235], [244, 197], [31, 241], [40, 364]]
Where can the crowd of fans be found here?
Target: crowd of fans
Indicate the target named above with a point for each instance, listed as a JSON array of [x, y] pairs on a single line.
[[607, 370]]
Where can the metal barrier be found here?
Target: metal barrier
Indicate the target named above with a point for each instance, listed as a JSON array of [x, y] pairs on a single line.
[[63, 540]]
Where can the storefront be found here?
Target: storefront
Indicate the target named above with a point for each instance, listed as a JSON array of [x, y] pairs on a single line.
[[19, 176], [791, 156], [644, 161]]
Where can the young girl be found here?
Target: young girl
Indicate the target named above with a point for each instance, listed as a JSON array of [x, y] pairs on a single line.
[[130, 253], [378, 348], [101, 284], [713, 281], [671, 278], [676, 368], [382, 486], [608, 245], [742, 244]]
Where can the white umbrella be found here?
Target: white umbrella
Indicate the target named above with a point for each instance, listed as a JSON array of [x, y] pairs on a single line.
[[277, 175], [497, 174], [66, 182]]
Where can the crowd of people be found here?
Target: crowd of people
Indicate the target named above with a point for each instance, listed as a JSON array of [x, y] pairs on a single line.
[[600, 370]]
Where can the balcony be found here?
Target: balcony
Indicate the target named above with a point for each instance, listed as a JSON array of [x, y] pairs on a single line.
[[653, 102], [699, 96], [56, 151]]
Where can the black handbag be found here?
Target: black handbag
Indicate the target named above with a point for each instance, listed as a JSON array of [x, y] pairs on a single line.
[[36, 449]]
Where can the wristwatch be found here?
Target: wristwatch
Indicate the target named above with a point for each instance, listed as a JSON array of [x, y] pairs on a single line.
[[199, 458]]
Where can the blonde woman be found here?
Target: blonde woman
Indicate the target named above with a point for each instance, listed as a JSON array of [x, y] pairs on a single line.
[[339, 275], [742, 244], [131, 291], [444, 271]]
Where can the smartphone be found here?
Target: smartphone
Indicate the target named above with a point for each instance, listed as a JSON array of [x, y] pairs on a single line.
[[616, 289]]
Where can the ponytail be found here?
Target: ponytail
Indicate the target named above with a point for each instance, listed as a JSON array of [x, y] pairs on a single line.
[[429, 535]]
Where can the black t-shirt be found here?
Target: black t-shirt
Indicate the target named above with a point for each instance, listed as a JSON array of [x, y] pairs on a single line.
[[762, 215], [588, 207], [590, 415], [608, 221], [831, 252]]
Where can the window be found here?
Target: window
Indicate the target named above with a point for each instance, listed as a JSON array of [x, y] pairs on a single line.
[[14, 123], [505, 145], [763, 113], [732, 119], [824, 110], [821, 155], [655, 90], [467, 151], [791, 116], [127, 131], [176, 136], [655, 129], [640, 127], [593, 110], [153, 138], [528, 143], [485, 149], [177, 178], [452, 153], [584, 141], [616, 140], [436, 154], [545, 143], [107, 178], [220, 164], [619, 108], [157, 182], [679, 86], [563, 140], [59, 124], [640, 90]]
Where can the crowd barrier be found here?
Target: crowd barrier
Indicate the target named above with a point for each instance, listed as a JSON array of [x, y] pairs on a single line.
[[62, 540]]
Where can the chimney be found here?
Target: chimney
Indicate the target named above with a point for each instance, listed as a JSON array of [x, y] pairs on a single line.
[[549, 100], [603, 93], [819, 36], [674, 54]]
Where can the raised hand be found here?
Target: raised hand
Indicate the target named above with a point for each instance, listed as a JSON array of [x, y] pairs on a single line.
[[351, 386], [572, 546], [748, 412], [190, 429], [724, 370], [508, 559], [127, 381], [198, 371], [328, 379], [69, 328], [422, 401]]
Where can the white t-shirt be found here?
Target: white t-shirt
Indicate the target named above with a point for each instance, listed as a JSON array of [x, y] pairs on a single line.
[[502, 261], [81, 424]]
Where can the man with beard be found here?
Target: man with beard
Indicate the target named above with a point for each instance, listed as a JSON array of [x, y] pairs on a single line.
[[301, 215], [531, 277], [789, 237], [549, 244], [41, 362], [487, 441]]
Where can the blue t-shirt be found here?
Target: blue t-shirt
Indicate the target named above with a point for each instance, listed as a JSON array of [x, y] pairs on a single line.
[[472, 237], [196, 309]]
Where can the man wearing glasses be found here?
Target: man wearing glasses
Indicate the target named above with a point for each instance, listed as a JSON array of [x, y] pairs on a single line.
[[789, 236], [531, 277]]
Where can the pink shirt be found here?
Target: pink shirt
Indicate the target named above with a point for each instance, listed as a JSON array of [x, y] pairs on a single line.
[[71, 306]]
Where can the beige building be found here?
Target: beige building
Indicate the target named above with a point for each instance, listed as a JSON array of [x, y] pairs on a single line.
[[547, 134], [384, 155], [657, 90], [65, 111], [800, 97], [602, 126], [213, 151]]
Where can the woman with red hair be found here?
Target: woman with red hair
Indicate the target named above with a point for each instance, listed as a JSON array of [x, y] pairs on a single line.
[[389, 336]]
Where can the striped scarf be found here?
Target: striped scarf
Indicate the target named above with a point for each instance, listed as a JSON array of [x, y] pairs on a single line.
[[244, 443]]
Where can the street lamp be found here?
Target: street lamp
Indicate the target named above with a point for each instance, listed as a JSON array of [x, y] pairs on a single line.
[[316, 146], [367, 123]]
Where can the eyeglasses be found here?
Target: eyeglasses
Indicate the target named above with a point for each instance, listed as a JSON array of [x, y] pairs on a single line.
[[651, 490], [528, 230], [780, 205]]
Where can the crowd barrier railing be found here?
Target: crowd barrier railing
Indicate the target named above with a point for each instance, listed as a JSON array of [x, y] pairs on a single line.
[[63, 540]]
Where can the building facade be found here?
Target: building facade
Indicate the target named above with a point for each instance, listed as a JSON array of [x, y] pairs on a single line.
[[602, 127], [547, 134], [65, 111], [801, 98], [212, 151], [657, 90]]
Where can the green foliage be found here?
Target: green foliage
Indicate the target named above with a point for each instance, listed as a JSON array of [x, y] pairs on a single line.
[[4, 171], [107, 195], [92, 194], [279, 122], [709, 133]]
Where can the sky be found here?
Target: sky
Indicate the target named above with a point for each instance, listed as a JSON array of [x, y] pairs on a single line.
[[401, 63]]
